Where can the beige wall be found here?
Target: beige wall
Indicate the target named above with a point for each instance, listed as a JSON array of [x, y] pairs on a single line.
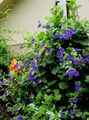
[[84, 10], [26, 14]]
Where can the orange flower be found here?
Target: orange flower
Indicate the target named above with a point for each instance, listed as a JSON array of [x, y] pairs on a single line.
[[14, 66], [14, 61]]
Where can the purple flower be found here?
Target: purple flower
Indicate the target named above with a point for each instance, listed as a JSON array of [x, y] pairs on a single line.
[[68, 35], [20, 118], [72, 112], [62, 114], [60, 51], [30, 74], [73, 31], [13, 80], [70, 57], [3, 82], [82, 60], [16, 66], [48, 52], [75, 100], [76, 62], [61, 59], [39, 25], [77, 87], [35, 68], [42, 45], [21, 69], [61, 36], [37, 81], [8, 75], [87, 59], [47, 27], [32, 63], [76, 74], [5, 93], [21, 46], [26, 65], [77, 50], [71, 72], [55, 36], [32, 41], [37, 58], [30, 102], [32, 78]]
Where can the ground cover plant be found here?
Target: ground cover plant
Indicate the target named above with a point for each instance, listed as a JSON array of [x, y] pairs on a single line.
[[51, 81]]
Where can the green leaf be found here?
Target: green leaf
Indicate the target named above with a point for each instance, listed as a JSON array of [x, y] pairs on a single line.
[[63, 85], [83, 42], [57, 96], [52, 82], [87, 79], [51, 114], [41, 35], [55, 70], [48, 99]]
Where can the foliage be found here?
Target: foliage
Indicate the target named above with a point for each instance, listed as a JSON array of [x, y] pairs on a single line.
[[4, 51], [51, 81]]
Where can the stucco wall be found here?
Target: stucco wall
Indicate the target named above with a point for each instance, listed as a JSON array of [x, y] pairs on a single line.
[[26, 14]]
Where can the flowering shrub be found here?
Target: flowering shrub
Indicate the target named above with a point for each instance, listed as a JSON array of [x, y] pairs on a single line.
[[53, 80]]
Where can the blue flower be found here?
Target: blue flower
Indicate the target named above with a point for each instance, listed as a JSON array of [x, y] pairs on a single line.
[[60, 51], [17, 66], [33, 63], [73, 32], [75, 100], [5, 93], [87, 59], [37, 81], [76, 74], [77, 50], [39, 25], [47, 27], [43, 45], [31, 77], [68, 35], [72, 112], [32, 41], [61, 59], [61, 36], [55, 36], [35, 68], [77, 87], [70, 57], [3, 82], [48, 52], [76, 62], [30, 102], [26, 65], [62, 114], [21, 46], [37, 58], [82, 60], [72, 72], [30, 74], [20, 118]]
